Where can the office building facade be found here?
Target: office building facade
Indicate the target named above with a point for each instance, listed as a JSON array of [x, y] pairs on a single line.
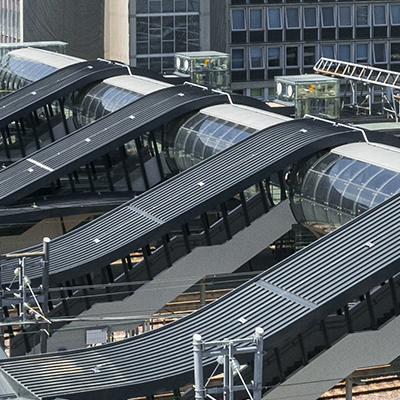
[[268, 38], [265, 38], [159, 29]]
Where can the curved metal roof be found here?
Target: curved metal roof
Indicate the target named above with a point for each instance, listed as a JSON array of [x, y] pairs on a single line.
[[54, 86], [183, 197], [244, 115], [97, 139], [50, 58], [297, 292]]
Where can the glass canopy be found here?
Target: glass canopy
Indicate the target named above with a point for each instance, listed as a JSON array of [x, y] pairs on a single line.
[[336, 189], [202, 136]]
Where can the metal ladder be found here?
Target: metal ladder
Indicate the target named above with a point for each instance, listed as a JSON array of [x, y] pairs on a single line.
[[358, 72], [371, 76]]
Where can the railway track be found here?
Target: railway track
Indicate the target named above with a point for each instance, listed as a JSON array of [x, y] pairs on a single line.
[[382, 388]]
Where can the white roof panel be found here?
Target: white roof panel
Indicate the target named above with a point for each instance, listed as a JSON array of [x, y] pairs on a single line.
[[45, 57], [244, 115], [372, 153], [137, 84]]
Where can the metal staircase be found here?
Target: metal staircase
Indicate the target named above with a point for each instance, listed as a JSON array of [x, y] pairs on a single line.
[[367, 75]]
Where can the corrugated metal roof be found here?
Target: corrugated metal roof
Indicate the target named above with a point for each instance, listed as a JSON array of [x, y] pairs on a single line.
[[338, 267], [92, 141], [58, 84], [187, 195]]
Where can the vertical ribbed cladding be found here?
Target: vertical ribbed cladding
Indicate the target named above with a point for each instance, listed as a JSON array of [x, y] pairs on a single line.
[[181, 198], [58, 84]]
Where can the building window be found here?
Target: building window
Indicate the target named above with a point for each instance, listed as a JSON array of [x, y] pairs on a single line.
[[310, 17], [292, 18], [142, 6], [395, 52], [362, 16], [362, 53], [256, 19], [155, 64], [274, 57], [237, 58], [345, 15], [309, 55], [328, 17], [292, 56], [380, 53], [155, 6], [256, 58], [395, 14], [238, 22], [142, 62], [344, 52], [165, 34], [193, 5], [274, 18], [380, 15], [180, 5], [258, 92], [328, 51]]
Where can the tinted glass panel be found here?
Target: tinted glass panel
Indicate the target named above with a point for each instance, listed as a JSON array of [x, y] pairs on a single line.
[[381, 179], [345, 15], [309, 55], [362, 53], [392, 186], [327, 51], [274, 18], [328, 17], [362, 15], [310, 17], [238, 19], [256, 59], [292, 17], [344, 52], [379, 52], [395, 14], [379, 15], [237, 58], [292, 56], [255, 19], [274, 57]]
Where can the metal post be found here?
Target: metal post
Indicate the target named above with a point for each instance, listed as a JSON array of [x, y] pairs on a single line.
[[198, 368], [230, 384], [231, 366], [1, 312], [226, 377], [22, 289], [258, 363], [349, 388], [353, 93], [45, 288], [370, 95]]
